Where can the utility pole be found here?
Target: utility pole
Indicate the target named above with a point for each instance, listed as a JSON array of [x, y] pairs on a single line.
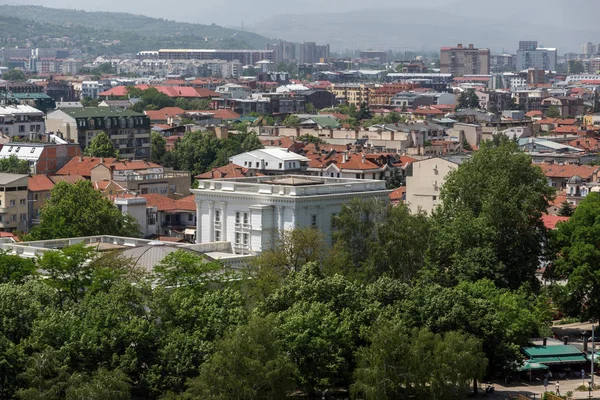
[[593, 353]]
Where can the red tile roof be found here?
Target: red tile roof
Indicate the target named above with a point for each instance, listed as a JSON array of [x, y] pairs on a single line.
[[66, 178], [171, 91], [534, 113], [398, 194], [427, 110], [222, 113], [567, 170], [588, 144], [163, 113], [567, 129], [228, 171], [355, 162], [164, 203], [550, 221], [83, 165], [40, 183]]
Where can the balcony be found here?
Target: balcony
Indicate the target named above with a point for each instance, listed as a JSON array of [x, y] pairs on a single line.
[[151, 177]]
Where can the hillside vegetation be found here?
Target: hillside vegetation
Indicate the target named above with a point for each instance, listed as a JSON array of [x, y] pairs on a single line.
[[37, 26]]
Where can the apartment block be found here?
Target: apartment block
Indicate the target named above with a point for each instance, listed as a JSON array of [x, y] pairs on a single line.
[[461, 60]]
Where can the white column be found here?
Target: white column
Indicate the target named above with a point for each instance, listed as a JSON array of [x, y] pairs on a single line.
[[211, 221], [280, 218], [198, 221], [224, 221]]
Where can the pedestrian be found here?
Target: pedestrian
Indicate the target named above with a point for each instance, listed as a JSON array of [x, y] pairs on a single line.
[[557, 388], [545, 384]]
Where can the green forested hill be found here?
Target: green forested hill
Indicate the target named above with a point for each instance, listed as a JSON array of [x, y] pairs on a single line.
[[38, 25]]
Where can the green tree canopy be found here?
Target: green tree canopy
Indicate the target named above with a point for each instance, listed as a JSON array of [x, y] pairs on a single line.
[[489, 222], [101, 146], [78, 210], [158, 147], [13, 165], [553, 112], [577, 243], [291, 120], [468, 99], [248, 364], [415, 363], [13, 75]]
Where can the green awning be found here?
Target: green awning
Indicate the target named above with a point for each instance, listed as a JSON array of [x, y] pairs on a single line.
[[533, 366], [546, 360], [573, 359]]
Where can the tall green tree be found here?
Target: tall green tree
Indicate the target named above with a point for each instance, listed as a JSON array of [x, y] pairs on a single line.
[[577, 244], [78, 210], [158, 147], [13, 165], [249, 363], [468, 99], [553, 112], [381, 240], [489, 222], [101, 146], [405, 363], [13, 75]]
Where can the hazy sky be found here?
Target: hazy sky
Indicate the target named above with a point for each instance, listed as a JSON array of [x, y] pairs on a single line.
[[225, 12]]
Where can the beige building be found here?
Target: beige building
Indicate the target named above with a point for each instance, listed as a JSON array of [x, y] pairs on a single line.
[[353, 93], [470, 133], [461, 60], [13, 202], [423, 186]]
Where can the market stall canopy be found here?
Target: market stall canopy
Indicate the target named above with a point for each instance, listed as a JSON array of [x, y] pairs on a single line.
[[559, 354], [533, 366]]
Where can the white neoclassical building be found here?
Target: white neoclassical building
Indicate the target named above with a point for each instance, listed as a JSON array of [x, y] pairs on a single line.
[[247, 212]]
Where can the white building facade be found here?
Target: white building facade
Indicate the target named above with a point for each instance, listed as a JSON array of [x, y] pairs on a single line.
[[22, 121], [248, 212], [271, 161]]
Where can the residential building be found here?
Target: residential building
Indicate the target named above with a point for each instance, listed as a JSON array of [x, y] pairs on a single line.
[[460, 60], [129, 131], [174, 218], [137, 176], [228, 171], [43, 158], [424, 185], [246, 57], [469, 133], [589, 49], [566, 106], [380, 56], [435, 81], [91, 89], [558, 175], [22, 121], [272, 161], [14, 207], [41, 101], [503, 62], [39, 193], [249, 212], [353, 93], [318, 98], [540, 58]]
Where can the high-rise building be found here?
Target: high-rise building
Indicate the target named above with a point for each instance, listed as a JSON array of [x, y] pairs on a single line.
[[540, 58], [462, 60], [528, 45], [588, 49]]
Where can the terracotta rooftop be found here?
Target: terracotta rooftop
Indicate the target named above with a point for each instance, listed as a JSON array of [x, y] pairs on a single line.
[[228, 171], [83, 165], [398, 194], [163, 113], [164, 203], [550, 221], [567, 170], [40, 183]]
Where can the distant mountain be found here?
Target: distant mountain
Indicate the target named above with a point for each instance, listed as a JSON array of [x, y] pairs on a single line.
[[135, 32], [415, 29]]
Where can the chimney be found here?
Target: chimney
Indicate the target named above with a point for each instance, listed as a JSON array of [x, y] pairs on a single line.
[[101, 160], [345, 157], [363, 157], [80, 159], [471, 46], [460, 46]]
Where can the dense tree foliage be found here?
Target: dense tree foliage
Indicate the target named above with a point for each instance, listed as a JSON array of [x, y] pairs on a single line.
[[468, 99], [13, 165], [200, 151], [400, 305], [489, 223], [158, 147], [13, 75], [577, 243], [78, 210], [101, 146], [152, 99]]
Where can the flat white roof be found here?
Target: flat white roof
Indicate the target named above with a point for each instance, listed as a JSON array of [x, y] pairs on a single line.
[[19, 109], [277, 152]]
